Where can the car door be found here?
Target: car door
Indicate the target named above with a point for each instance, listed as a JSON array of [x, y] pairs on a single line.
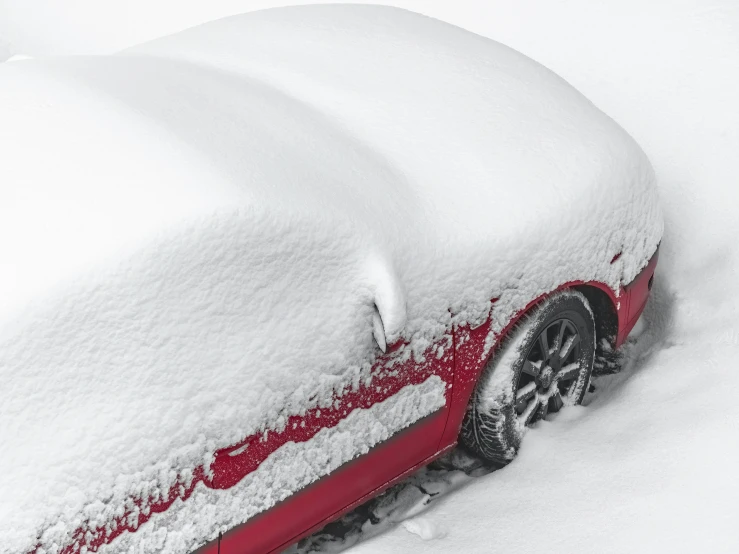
[[402, 386]]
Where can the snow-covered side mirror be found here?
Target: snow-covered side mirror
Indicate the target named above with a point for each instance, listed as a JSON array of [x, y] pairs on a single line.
[[378, 330], [389, 316]]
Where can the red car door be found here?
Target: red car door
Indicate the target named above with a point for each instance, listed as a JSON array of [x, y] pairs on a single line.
[[352, 483]]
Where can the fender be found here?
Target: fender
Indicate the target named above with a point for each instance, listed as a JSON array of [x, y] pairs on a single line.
[[470, 356], [464, 356]]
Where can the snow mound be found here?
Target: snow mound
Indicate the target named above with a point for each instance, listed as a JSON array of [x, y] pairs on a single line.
[[196, 234]]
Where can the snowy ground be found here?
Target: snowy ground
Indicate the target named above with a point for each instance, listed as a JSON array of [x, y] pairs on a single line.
[[649, 464]]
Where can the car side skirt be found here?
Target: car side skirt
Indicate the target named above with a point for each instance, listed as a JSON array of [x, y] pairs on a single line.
[[329, 498]]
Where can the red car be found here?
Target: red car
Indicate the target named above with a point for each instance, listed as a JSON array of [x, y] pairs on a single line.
[[257, 272]]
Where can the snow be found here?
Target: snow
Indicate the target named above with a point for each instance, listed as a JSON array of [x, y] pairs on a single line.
[[181, 271], [582, 170], [649, 465], [4, 51], [425, 529], [292, 467]]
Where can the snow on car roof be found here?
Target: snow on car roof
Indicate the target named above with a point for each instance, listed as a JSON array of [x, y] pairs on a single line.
[[195, 233], [469, 123]]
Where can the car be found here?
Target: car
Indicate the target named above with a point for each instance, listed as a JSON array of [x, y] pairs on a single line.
[[256, 272]]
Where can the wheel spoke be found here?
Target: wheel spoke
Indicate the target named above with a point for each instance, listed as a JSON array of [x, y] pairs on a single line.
[[526, 392], [568, 372], [544, 344], [530, 411], [543, 409], [560, 336], [555, 401], [546, 375], [571, 343], [530, 368]]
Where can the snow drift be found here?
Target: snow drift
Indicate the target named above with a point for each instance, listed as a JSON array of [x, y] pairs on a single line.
[[195, 236]]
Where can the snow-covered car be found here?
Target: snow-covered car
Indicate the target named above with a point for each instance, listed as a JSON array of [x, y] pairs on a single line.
[[256, 272]]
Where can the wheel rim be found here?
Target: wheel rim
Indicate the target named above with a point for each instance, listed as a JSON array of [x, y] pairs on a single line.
[[551, 372]]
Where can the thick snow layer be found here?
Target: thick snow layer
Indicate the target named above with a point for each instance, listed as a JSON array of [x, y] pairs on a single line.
[[649, 465], [502, 131], [194, 234]]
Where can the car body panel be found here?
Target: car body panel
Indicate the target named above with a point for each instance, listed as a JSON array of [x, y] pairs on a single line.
[[394, 459], [327, 499], [458, 359], [638, 290], [256, 295]]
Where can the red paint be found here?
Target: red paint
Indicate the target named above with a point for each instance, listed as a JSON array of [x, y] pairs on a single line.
[[325, 500], [470, 357], [469, 361], [638, 293], [638, 289], [389, 376], [394, 347], [94, 537], [463, 360], [615, 258]]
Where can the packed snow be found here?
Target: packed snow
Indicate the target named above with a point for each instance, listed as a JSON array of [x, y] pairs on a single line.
[[197, 241]]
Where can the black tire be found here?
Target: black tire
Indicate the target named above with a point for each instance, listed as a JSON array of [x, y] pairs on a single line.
[[495, 421]]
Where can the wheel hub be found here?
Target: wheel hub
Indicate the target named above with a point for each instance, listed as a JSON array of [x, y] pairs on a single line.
[[545, 377], [550, 372]]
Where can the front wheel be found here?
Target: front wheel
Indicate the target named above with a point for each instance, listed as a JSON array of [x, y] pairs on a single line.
[[543, 365]]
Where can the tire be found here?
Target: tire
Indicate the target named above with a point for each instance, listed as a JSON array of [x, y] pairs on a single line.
[[563, 325]]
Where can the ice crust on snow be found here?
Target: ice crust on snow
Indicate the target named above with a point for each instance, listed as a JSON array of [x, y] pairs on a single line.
[[195, 235]]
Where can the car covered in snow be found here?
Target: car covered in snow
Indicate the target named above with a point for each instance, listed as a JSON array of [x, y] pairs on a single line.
[[253, 273]]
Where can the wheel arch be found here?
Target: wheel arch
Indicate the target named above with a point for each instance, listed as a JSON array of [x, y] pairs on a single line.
[[604, 312], [469, 345]]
